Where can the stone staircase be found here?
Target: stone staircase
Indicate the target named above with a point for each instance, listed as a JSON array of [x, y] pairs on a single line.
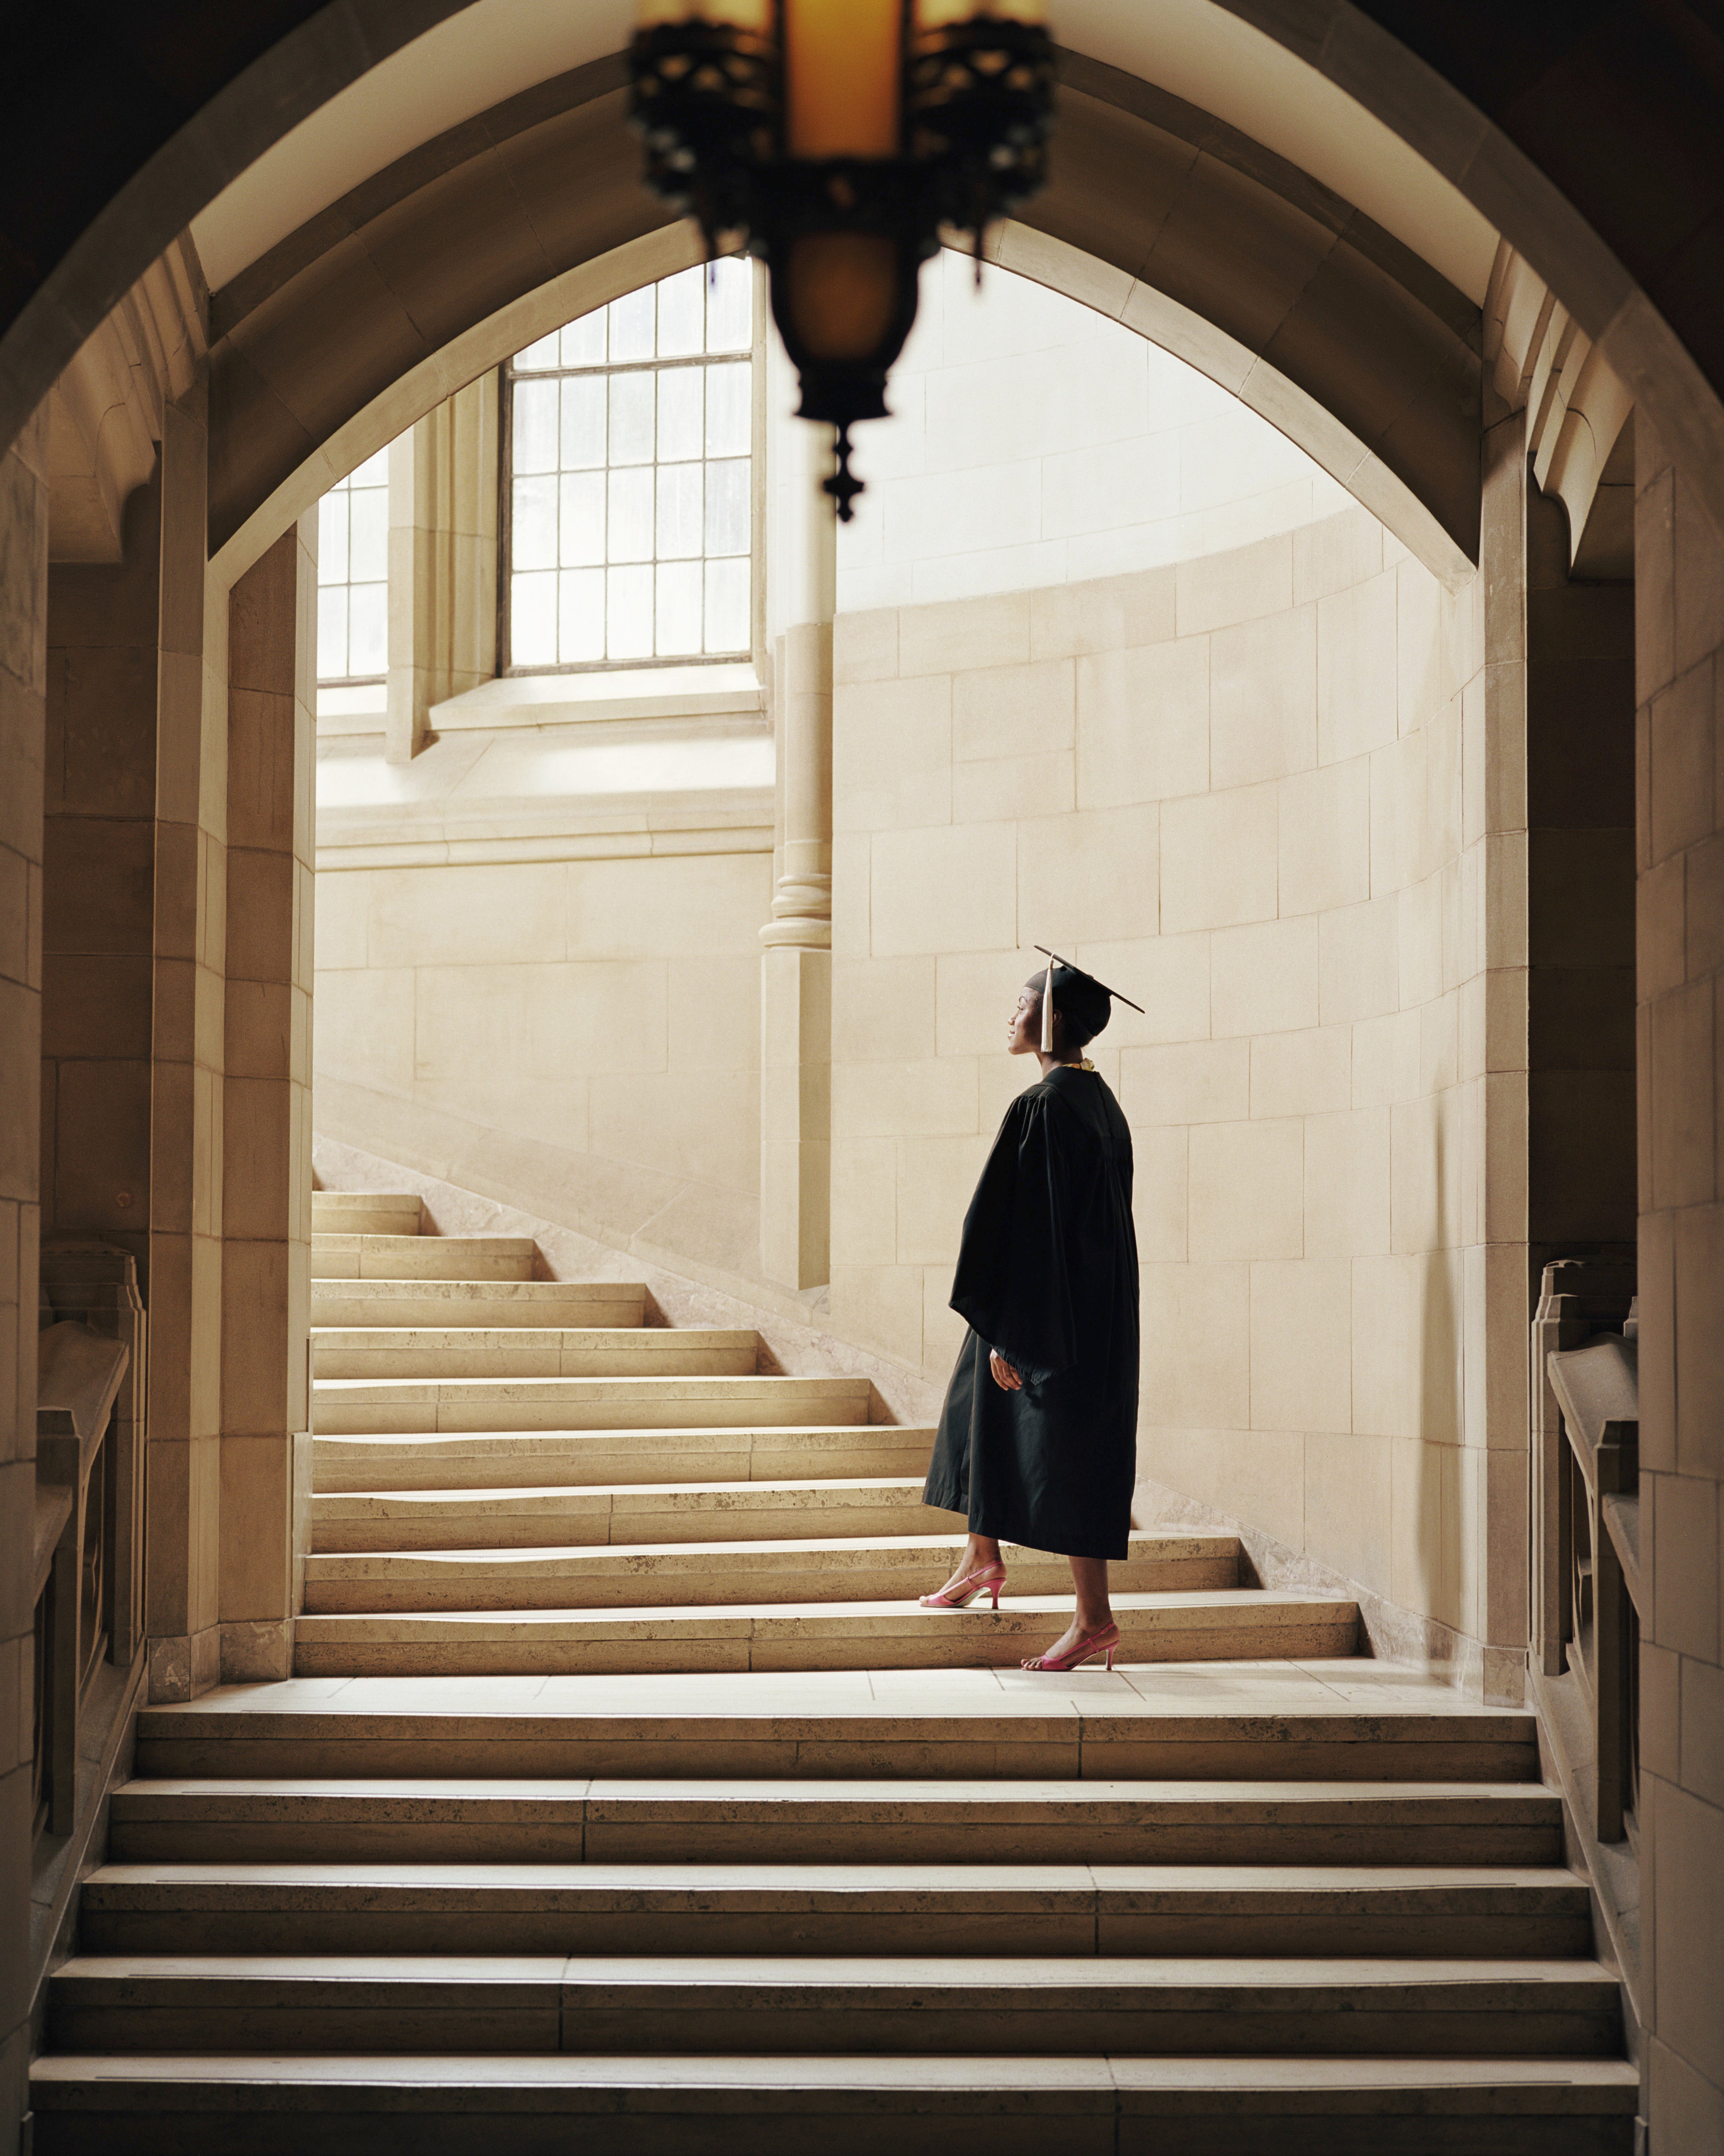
[[622, 1796], [515, 1474]]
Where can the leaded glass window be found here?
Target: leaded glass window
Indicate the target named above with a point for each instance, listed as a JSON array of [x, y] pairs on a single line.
[[629, 481]]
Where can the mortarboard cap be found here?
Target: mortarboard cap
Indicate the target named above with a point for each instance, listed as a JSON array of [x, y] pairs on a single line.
[[1079, 994]]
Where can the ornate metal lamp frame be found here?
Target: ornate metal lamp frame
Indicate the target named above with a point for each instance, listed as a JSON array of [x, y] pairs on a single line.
[[976, 110]]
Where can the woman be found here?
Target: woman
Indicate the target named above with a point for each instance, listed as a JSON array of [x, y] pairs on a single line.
[[1038, 1438]]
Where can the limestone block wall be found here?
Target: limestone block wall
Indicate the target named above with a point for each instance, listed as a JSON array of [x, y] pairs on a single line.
[[1035, 440], [1248, 790], [579, 1037], [1678, 638]]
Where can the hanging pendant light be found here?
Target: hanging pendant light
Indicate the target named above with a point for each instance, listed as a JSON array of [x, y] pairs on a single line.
[[836, 138]]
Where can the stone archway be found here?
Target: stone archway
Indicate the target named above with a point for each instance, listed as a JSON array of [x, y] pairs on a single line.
[[1535, 128], [1157, 213], [1493, 111]]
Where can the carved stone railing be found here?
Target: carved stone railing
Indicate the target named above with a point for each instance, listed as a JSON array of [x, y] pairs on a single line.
[[90, 1502], [1587, 1591]]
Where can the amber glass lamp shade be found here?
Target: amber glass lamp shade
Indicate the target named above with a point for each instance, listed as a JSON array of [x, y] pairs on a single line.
[[844, 260], [843, 73], [845, 301], [935, 14]]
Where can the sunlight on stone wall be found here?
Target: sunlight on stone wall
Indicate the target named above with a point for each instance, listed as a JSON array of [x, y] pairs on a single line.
[[1234, 789], [1034, 441], [1114, 673], [584, 1035]]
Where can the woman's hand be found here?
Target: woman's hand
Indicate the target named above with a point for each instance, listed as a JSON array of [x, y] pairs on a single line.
[[1005, 1376]]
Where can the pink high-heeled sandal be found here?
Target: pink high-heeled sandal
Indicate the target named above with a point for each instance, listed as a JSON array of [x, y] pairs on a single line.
[[1105, 1642], [962, 1591]]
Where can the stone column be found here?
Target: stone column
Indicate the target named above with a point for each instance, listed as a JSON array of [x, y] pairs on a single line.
[[443, 562], [1492, 1463], [98, 846], [266, 1182], [188, 957], [795, 968], [23, 695], [1679, 639]]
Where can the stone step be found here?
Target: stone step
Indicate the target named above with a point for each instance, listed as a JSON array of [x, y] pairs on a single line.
[[1216, 1625], [788, 2005], [381, 1406], [630, 1512], [490, 1303], [395, 1820], [715, 1573], [964, 1726], [1031, 2105], [471, 1354], [366, 1212], [750, 1450], [1419, 1913], [413, 1257]]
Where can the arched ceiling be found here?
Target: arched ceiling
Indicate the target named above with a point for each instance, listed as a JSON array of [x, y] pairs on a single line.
[[1364, 338], [493, 50], [1585, 133]]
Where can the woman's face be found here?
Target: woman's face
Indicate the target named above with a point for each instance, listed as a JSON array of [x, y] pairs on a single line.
[[1024, 1031]]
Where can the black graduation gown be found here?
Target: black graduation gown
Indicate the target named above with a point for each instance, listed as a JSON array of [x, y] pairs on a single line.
[[1048, 1276]]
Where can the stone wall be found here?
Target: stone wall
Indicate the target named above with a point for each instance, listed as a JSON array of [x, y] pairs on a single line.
[[578, 1037], [1035, 440], [581, 1036], [99, 843], [23, 696], [1248, 790], [1678, 638]]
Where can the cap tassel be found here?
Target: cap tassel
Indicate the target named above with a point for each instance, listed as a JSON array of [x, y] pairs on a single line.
[[1048, 1011]]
